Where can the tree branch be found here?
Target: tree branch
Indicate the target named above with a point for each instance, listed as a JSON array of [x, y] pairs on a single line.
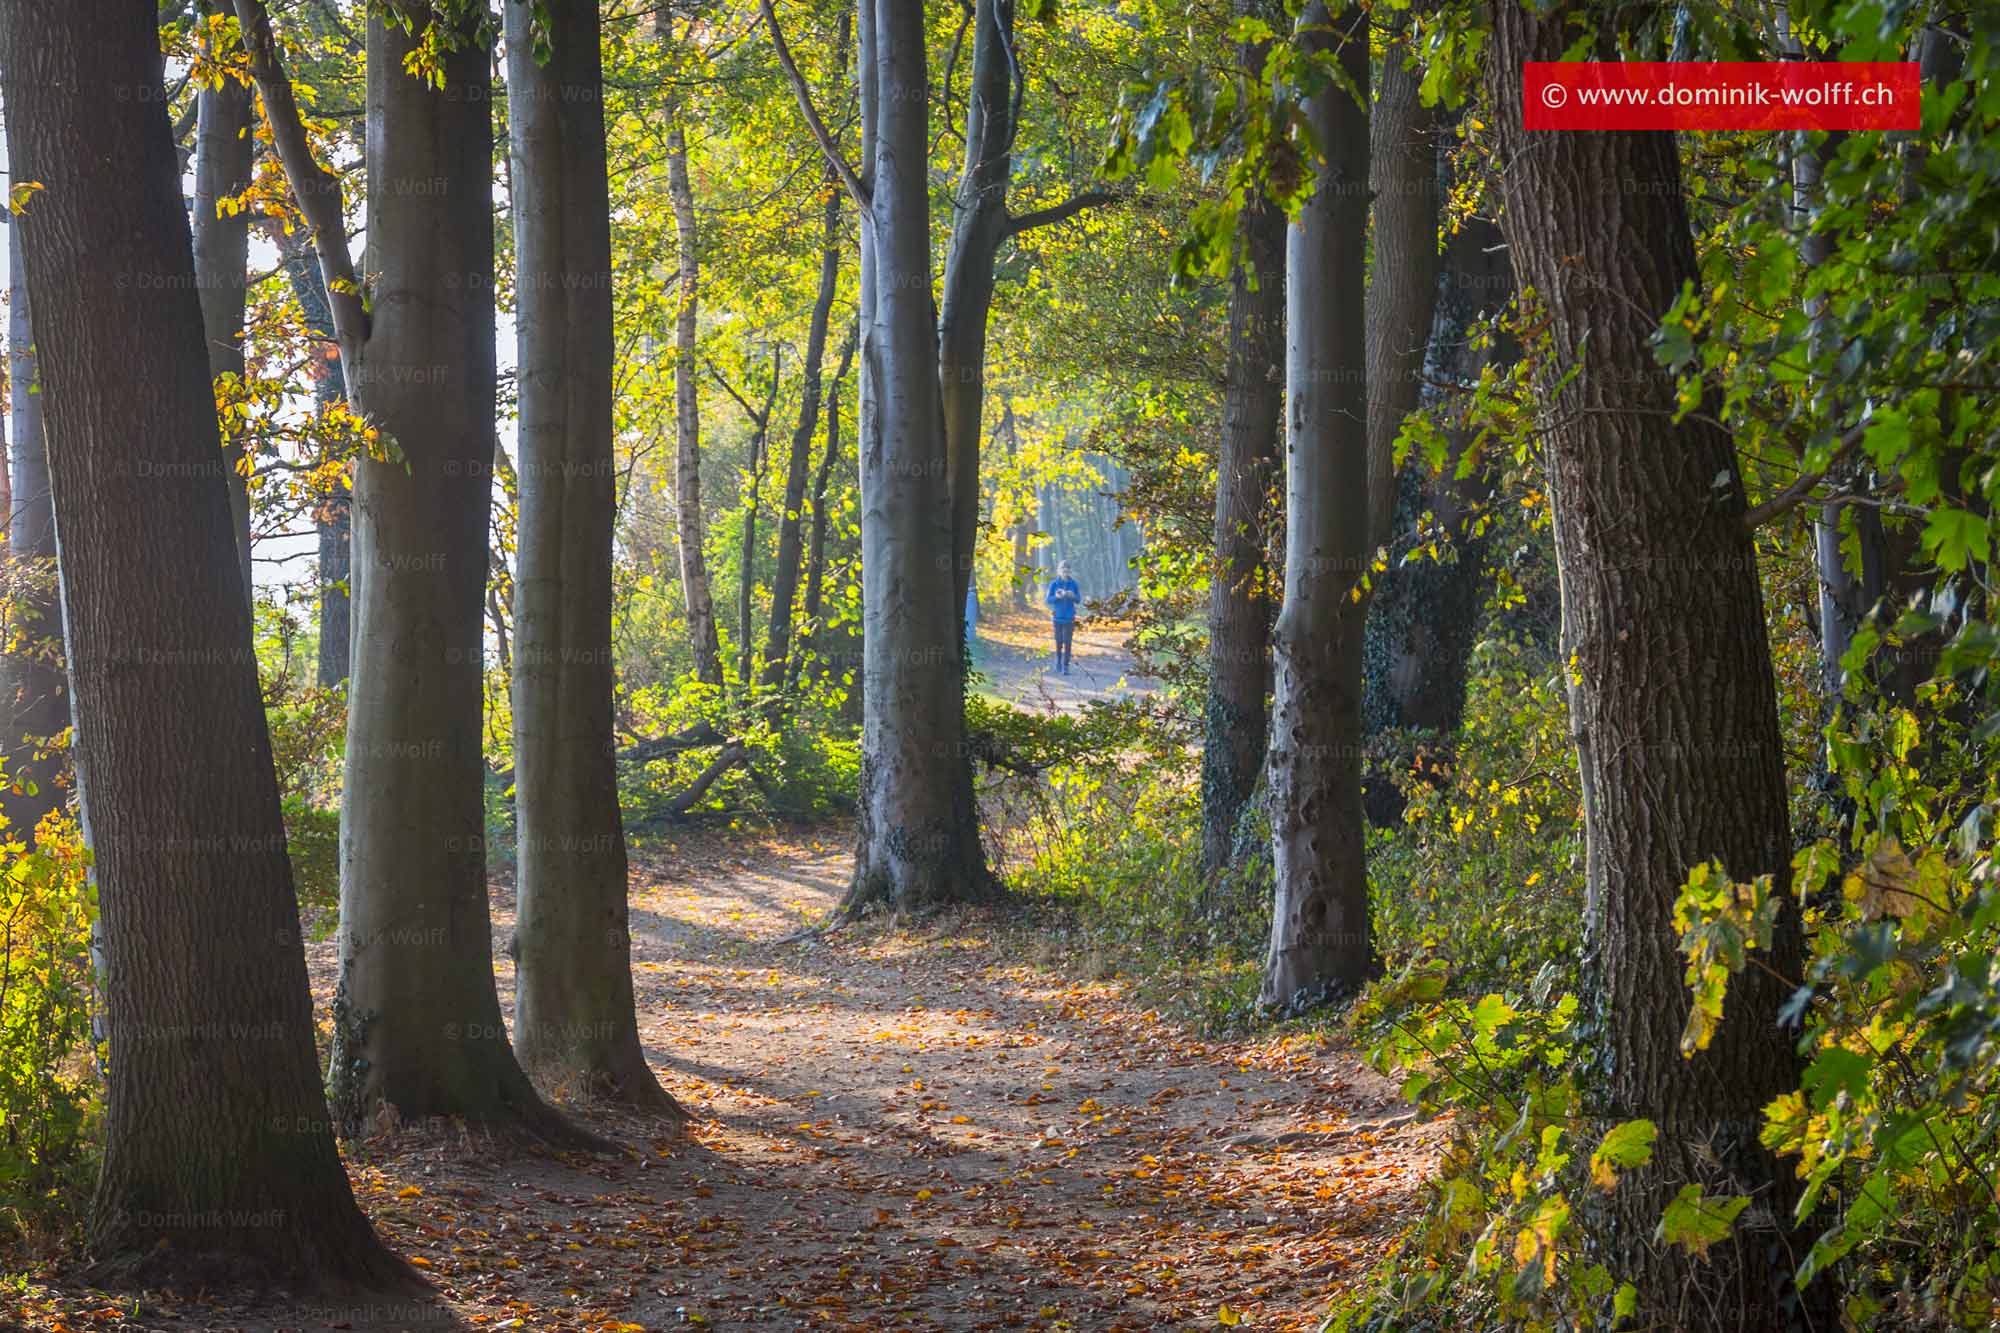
[[316, 188], [1795, 494], [848, 176], [1062, 212]]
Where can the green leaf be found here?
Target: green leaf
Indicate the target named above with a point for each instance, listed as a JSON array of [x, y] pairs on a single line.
[[1626, 1147], [1695, 1221], [1955, 537]]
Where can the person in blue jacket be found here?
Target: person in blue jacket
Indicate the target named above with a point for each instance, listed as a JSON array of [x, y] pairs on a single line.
[[1063, 597]]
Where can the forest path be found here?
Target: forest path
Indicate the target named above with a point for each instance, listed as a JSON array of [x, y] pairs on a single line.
[[917, 1129], [1014, 650]]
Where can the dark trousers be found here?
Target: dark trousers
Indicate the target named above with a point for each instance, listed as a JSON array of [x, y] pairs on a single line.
[[1065, 631]]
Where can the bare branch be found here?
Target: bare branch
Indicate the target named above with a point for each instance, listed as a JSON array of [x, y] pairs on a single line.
[[316, 188], [1062, 212], [1795, 494], [848, 176]]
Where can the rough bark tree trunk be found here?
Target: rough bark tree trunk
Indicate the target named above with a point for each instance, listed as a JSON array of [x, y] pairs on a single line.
[[919, 836], [221, 253], [575, 1026], [791, 537], [417, 1024], [1321, 946], [1673, 697], [34, 687], [1424, 615], [218, 1162], [690, 527], [1240, 602]]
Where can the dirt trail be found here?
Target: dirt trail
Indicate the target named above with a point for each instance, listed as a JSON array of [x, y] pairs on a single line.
[[894, 1131], [1014, 651]]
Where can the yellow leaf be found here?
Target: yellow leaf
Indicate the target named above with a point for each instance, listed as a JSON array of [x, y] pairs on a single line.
[[1227, 1317], [409, 1192]]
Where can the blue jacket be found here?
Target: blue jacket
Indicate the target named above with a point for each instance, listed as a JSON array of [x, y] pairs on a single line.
[[1062, 609]]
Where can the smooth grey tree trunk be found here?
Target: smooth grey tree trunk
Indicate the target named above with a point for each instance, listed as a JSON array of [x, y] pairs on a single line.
[[221, 254], [417, 1024], [34, 686], [218, 1163], [1321, 945], [979, 228], [690, 528], [1673, 696], [575, 1026], [919, 837]]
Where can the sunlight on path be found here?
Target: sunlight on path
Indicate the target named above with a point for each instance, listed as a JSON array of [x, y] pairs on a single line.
[[1013, 653], [893, 1131], [943, 1137]]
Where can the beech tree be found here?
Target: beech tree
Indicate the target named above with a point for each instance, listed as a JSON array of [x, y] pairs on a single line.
[[1320, 937], [575, 1026], [919, 834], [1673, 699], [417, 1026], [982, 223], [34, 690], [217, 1154]]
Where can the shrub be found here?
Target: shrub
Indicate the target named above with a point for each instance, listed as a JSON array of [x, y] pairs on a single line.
[[48, 1074]]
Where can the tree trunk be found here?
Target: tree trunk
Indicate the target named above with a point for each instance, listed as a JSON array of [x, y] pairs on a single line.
[[218, 1163], [575, 1026], [791, 538], [1425, 615], [1320, 937], [34, 689], [1673, 699], [979, 227], [919, 835], [822, 480], [221, 252], [1402, 291], [760, 433], [416, 1020], [331, 519], [689, 525], [1240, 602], [6, 480], [1017, 578]]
